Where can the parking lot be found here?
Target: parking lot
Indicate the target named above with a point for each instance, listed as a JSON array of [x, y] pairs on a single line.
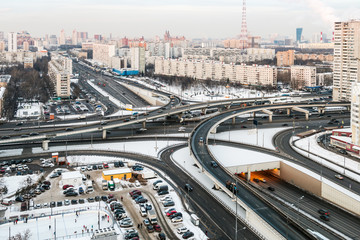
[[130, 213]]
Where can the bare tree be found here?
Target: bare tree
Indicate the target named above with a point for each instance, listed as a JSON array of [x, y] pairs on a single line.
[[25, 236]]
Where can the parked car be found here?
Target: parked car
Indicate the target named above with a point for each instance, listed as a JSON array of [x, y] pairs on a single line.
[[59, 203], [182, 230], [157, 228], [146, 222], [81, 190], [176, 219], [66, 202], [161, 236], [74, 201], [187, 235], [213, 164], [271, 188], [71, 194], [81, 200], [150, 228]]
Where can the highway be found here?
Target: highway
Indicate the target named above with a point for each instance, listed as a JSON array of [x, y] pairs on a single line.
[[202, 154]]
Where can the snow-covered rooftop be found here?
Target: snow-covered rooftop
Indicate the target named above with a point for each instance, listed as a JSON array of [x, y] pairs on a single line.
[[342, 138], [71, 175], [117, 171], [348, 130]]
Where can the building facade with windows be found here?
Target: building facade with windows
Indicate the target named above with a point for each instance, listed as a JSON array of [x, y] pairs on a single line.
[[346, 58]]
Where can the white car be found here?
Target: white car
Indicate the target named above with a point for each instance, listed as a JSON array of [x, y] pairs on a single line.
[[37, 206], [137, 183], [45, 205], [181, 129], [89, 168], [66, 202], [176, 219], [83, 169], [165, 199], [182, 230]]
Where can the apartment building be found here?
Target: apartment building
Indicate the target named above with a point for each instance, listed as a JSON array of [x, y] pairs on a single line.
[[244, 74], [285, 58], [346, 58], [102, 53], [59, 74], [303, 76]]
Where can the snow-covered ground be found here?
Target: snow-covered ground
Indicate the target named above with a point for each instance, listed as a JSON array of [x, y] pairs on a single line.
[[63, 224], [327, 158], [201, 94], [14, 183], [261, 137]]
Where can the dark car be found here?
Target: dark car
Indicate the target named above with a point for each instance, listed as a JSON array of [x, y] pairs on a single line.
[[59, 203], [19, 199], [131, 235], [177, 214], [161, 236], [142, 200], [71, 194], [81, 200], [104, 198], [94, 167], [150, 228], [69, 129], [97, 198], [187, 235], [214, 164], [116, 164], [74, 201], [163, 192], [121, 164], [271, 188], [323, 212], [188, 187], [90, 199], [52, 204]]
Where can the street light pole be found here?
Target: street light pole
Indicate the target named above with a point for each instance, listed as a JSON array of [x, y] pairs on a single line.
[[300, 198]]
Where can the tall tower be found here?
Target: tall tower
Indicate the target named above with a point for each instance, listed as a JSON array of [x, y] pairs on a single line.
[[12, 42], [244, 34]]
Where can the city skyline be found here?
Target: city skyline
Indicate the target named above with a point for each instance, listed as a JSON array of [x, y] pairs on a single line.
[[209, 19]]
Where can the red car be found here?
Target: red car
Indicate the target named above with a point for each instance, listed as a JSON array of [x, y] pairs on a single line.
[[105, 165], [104, 85], [135, 192], [157, 228], [67, 186], [171, 213]]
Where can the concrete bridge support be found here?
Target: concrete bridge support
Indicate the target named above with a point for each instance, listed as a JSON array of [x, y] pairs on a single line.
[[233, 120], [302, 110], [270, 113], [45, 145], [104, 134], [248, 177], [144, 124], [203, 111], [288, 111]]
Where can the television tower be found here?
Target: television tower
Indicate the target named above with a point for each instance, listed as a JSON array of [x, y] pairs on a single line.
[[244, 34]]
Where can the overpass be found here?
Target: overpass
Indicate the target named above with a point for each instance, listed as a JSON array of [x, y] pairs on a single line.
[[174, 111], [259, 211]]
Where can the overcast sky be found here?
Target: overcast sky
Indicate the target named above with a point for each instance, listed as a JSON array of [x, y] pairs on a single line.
[[191, 18]]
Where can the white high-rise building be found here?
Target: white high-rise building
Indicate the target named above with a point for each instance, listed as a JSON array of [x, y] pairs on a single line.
[[346, 58], [62, 39], [74, 37], [102, 53], [138, 59], [12, 42]]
